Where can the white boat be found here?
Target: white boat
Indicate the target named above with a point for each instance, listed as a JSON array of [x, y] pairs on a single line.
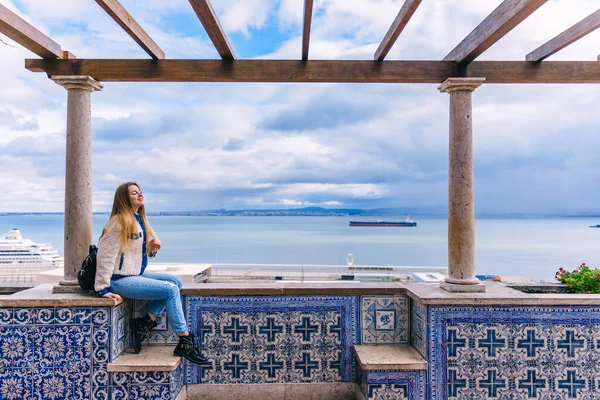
[[21, 259]]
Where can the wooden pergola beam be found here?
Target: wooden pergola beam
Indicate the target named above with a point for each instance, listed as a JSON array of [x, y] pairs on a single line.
[[308, 10], [502, 20], [127, 70], [344, 71], [209, 20], [26, 35], [574, 33], [133, 29], [532, 72], [406, 12]]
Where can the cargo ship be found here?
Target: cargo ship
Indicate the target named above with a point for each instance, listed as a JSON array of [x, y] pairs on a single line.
[[595, 226], [408, 223]]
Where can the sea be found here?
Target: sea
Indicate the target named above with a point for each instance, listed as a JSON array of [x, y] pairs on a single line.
[[531, 247]]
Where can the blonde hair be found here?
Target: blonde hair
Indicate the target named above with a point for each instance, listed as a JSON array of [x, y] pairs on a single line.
[[122, 214]]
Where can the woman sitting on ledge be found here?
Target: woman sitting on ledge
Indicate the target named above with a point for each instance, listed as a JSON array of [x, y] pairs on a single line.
[[126, 242]]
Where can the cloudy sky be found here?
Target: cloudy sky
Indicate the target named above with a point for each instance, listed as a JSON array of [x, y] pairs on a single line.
[[203, 146]]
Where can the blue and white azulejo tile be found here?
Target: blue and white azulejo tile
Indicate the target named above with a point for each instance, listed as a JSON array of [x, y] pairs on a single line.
[[510, 352], [274, 339], [384, 319]]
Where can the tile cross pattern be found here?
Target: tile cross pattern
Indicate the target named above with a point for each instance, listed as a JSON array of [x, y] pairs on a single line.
[[514, 352], [274, 339]]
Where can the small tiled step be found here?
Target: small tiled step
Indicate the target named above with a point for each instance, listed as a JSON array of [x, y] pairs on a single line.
[[153, 374], [389, 357], [152, 358]]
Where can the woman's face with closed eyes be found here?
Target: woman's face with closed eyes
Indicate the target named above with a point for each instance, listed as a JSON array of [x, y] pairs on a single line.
[[135, 197]]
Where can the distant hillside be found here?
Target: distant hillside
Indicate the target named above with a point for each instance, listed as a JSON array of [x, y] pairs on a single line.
[[320, 211], [316, 211]]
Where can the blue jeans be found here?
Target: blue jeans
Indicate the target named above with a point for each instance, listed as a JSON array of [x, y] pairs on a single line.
[[162, 288]]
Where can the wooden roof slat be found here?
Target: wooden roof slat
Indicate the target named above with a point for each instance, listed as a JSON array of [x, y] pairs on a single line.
[[209, 20], [574, 33], [406, 12], [133, 29], [27, 35], [308, 10], [342, 71], [502, 20], [67, 54]]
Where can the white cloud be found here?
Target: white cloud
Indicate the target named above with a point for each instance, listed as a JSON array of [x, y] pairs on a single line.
[[207, 145], [242, 15], [288, 202]]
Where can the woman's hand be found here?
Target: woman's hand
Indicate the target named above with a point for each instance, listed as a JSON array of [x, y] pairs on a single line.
[[154, 246], [110, 295]]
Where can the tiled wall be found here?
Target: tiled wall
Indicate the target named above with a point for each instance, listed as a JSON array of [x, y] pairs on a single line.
[[163, 334], [382, 319], [55, 352], [62, 353], [514, 352], [278, 339], [397, 385], [418, 327], [473, 352], [147, 385], [268, 339], [274, 339], [120, 316]]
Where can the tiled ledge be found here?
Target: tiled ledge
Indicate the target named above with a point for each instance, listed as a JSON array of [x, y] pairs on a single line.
[[42, 296], [283, 288], [426, 293], [496, 294]]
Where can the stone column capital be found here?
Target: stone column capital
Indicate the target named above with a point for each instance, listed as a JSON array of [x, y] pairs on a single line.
[[77, 82], [460, 84]]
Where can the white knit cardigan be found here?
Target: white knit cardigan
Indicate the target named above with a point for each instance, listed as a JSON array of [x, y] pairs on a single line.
[[108, 261]]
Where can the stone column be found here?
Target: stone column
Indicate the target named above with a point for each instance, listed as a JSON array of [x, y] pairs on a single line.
[[461, 207], [78, 176]]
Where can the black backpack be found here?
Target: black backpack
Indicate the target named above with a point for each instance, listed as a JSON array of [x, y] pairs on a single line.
[[87, 275]]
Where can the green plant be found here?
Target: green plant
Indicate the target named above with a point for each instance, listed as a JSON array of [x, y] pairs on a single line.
[[583, 279]]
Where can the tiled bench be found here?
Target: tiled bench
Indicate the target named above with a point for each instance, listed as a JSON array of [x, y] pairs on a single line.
[[391, 371], [155, 373]]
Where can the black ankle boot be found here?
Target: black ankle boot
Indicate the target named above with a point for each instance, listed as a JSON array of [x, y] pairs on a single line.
[[140, 329], [188, 349]]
